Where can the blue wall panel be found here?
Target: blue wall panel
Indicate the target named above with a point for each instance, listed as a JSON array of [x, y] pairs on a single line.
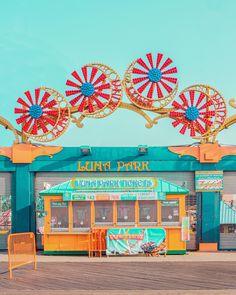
[[210, 215], [22, 209]]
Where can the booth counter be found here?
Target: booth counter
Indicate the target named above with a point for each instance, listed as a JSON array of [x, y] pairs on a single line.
[[72, 211]]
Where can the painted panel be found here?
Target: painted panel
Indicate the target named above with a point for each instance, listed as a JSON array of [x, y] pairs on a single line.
[[210, 219], [208, 181], [133, 241]]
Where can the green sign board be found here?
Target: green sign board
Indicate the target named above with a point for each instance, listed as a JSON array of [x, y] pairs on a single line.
[[113, 196], [170, 203], [115, 184], [59, 204], [133, 241], [208, 181]]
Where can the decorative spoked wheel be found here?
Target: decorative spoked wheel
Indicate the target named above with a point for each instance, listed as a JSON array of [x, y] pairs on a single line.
[[151, 82], [116, 91], [196, 111], [44, 115], [219, 106], [91, 90]]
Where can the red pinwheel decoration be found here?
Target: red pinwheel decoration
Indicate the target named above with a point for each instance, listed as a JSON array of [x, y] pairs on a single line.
[[91, 90], [195, 112], [154, 77], [37, 115]]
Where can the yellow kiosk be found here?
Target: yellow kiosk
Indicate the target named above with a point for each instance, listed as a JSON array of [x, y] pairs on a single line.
[[76, 208]]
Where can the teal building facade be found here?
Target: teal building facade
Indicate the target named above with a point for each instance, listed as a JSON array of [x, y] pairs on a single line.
[[20, 184]]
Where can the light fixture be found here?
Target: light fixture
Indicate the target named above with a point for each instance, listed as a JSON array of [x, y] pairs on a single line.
[[85, 150], [143, 149]]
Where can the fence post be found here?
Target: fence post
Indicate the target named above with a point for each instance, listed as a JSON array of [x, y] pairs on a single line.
[[9, 257], [35, 262]]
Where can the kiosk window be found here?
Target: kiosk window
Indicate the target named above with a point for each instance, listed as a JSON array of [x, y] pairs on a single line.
[[125, 212], [103, 212], [59, 216], [170, 211], [81, 216], [147, 212]]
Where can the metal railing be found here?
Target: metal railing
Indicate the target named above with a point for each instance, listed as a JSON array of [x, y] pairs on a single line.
[[21, 250]]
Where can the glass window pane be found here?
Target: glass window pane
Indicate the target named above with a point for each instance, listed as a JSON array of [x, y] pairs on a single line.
[[126, 212], [5, 213], [81, 216], [147, 212], [229, 199], [103, 212], [170, 211], [191, 211], [59, 216]]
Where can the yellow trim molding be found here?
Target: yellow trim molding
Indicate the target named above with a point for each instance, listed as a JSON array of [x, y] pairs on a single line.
[[26, 153], [205, 152]]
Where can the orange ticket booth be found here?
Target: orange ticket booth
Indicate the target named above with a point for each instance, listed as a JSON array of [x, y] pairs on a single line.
[[81, 206]]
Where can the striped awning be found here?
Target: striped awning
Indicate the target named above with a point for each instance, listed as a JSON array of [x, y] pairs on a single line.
[[227, 214]]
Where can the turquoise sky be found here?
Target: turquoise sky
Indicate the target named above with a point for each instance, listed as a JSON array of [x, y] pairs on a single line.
[[42, 42]]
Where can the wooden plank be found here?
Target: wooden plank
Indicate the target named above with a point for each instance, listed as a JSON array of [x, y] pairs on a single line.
[[122, 276]]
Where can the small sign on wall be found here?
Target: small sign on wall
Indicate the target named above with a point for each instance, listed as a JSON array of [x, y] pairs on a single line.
[[208, 181]]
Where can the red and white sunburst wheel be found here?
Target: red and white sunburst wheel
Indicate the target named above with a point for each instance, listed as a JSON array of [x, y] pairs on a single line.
[[91, 90], [117, 91], [219, 106], [44, 114], [195, 111], [151, 82]]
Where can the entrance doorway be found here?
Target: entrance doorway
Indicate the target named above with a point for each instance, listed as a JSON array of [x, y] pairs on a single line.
[[191, 211]]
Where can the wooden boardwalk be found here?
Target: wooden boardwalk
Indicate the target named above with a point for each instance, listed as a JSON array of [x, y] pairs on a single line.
[[121, 276]]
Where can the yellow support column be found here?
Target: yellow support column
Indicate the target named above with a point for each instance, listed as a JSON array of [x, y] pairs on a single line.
[[92, 214], [114, 213], [136, 213], [159, 213], [70, 217]]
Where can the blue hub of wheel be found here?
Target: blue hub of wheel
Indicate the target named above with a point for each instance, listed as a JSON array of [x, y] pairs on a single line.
[[35, 111], [87, 89], [192, 113], [154, 75]]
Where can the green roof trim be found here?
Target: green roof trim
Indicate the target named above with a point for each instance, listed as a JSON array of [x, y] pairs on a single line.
[[227, 214], [66, 187]]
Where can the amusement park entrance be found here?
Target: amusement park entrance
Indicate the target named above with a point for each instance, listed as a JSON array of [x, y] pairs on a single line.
[[95, 91]]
